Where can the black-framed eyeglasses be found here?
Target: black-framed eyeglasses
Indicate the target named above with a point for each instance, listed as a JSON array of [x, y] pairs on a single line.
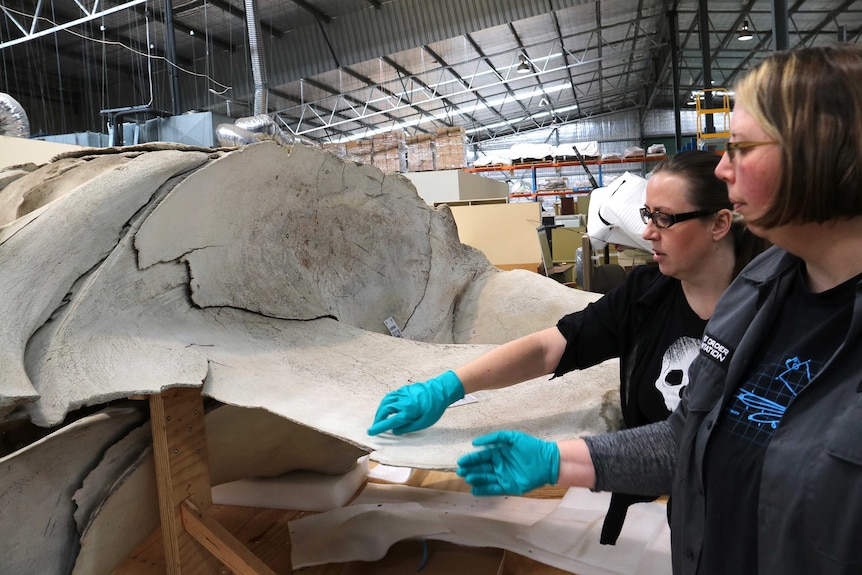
[[734, 147], [664, 221]]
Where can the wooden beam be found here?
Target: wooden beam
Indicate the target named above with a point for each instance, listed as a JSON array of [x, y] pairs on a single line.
[[182, 472], [221, 543]]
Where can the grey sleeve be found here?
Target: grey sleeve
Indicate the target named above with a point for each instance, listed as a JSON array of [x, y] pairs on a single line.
[[639, 461]]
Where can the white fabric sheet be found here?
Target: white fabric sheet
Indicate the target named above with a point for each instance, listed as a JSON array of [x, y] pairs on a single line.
[[561, 533]]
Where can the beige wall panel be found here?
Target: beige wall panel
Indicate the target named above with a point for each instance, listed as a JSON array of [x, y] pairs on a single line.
[[455, 185], [16, 151], [505, 233]]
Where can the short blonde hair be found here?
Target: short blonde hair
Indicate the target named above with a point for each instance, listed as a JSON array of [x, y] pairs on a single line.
[[809, 100]]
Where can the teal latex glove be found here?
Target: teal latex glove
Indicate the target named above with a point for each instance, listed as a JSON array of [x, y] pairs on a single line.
[[511, 463], [418, 405]]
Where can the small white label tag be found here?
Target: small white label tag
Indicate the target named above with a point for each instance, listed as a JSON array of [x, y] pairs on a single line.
[[393, 328], [469, 398]]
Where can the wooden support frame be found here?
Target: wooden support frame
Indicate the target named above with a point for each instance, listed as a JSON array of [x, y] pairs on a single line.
[[194, 542]]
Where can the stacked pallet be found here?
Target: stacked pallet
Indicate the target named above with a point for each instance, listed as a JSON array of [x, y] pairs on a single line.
[[393, 152], [359, 151], [387, 151], [339, 150], [450, 148], [420, 153]]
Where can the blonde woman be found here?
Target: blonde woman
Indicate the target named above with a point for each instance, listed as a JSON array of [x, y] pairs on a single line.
[[763, 455]]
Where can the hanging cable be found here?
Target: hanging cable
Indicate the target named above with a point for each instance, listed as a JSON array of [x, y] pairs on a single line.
[[129, 49], [149, 59], [63, 127], [104, 66]]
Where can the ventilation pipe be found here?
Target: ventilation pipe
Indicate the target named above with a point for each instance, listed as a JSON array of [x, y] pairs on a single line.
[[257, 128], [249, 130], [13, 120], [258, 68]]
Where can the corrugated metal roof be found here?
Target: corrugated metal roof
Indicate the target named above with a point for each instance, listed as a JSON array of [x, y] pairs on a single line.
[[339, 68]]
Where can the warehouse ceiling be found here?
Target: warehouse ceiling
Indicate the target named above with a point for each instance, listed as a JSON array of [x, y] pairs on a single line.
[[333, 70]]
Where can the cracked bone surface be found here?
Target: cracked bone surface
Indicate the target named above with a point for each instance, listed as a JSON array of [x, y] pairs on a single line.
[[263, 275]]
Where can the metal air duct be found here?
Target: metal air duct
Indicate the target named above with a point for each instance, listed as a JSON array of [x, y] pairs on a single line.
[[251, 129], [258, 68]]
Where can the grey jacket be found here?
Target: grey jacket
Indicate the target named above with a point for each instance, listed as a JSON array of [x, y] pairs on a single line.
[[810, 503]]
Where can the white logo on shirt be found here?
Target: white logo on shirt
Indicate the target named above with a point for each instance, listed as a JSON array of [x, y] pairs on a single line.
[[674, 369]]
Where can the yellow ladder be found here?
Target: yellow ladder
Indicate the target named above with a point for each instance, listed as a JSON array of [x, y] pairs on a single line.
[[721, 120]]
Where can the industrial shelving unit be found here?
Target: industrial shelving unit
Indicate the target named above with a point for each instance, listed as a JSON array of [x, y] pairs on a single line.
[[534, 167]]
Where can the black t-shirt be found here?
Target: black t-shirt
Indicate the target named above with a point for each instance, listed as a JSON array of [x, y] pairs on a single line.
[[673, 334], [648, 324], [808, 329]]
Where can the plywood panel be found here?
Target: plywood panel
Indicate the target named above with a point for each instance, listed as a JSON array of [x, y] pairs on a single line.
[[17, 151], [505, 233]]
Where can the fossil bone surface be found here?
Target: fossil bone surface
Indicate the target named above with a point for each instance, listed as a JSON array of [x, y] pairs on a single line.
[[263, 275]]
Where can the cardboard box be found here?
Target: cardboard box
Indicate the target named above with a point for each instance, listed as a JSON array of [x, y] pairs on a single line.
[[582, 205], [450, 148], [388, 152], [565, 243], [431, 557], [339, 150], [359, 151], [420, 153], [505, 233]]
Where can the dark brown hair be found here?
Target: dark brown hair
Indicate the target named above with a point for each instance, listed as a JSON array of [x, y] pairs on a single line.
[[709, 193]]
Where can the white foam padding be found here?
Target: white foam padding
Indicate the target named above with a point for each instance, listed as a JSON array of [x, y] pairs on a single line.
[[298, 490]]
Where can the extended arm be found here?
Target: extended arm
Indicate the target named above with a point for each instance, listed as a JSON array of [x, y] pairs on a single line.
[[420, 405], [638, 461], [525, 358]]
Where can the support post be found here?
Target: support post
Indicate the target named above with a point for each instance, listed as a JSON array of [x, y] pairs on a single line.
[[182, 472], [194, 542]]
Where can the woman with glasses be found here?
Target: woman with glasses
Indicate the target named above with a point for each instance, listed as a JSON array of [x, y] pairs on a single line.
[[653, 322], [763, 455]]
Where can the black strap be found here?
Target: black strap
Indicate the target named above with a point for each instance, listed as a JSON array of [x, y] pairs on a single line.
[[616, 516]]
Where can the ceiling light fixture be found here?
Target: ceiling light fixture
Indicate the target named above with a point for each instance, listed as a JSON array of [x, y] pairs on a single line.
[[744, 33], [523, 67]]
